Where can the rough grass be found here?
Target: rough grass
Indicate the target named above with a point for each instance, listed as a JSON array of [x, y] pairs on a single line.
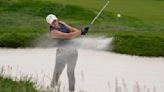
[[9, 84], [18, 37], [15, 84], [142, 43]]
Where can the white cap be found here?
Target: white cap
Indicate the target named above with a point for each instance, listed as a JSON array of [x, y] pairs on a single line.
[[50, 18]]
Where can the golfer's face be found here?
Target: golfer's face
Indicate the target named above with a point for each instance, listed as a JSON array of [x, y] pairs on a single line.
[[55, 24]]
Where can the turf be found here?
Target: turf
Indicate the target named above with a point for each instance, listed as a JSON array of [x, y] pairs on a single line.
[[150, 11], [8, 84]]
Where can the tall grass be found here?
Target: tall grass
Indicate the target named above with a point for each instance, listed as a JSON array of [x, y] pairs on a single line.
[[10, 84]]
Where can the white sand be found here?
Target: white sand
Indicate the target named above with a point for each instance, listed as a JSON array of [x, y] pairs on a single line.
[[95, 70]]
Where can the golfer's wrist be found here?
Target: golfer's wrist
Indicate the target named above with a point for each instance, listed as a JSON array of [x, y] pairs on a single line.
[[82, 32]]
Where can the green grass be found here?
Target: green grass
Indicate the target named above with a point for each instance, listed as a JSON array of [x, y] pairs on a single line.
[[142, 43], [8, 84], [21, 38], [150, 11], [15, 84], [139, 44]]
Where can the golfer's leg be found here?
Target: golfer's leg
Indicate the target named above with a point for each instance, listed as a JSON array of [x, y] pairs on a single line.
[[59, 66], [71, 69], [57, 72]]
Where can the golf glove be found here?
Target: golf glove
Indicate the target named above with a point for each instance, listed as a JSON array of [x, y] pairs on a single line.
[[84, 30]]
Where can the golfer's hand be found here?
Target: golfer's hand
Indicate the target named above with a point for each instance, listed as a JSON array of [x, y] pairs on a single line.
[[84, 30]]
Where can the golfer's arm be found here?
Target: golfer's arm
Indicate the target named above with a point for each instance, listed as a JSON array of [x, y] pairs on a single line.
[[61, 35]]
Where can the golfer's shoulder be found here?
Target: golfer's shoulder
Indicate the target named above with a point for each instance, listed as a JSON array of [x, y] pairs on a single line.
[[65, 24], [62, 22]]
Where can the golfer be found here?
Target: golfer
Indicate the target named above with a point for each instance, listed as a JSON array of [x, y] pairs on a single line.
[[66, 54]]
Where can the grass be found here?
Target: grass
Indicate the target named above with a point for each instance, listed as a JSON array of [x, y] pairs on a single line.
[[9, 84], [142, 43], [21, 38], [23, 21], [150, 11]]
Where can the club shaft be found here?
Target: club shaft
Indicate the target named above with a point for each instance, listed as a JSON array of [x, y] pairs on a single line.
[[99, 13]]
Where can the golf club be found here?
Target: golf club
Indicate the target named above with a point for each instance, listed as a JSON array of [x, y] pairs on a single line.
[[85, 30], [107, 3]]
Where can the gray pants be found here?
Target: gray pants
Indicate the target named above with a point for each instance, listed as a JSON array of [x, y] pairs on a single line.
[[66, 55]]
